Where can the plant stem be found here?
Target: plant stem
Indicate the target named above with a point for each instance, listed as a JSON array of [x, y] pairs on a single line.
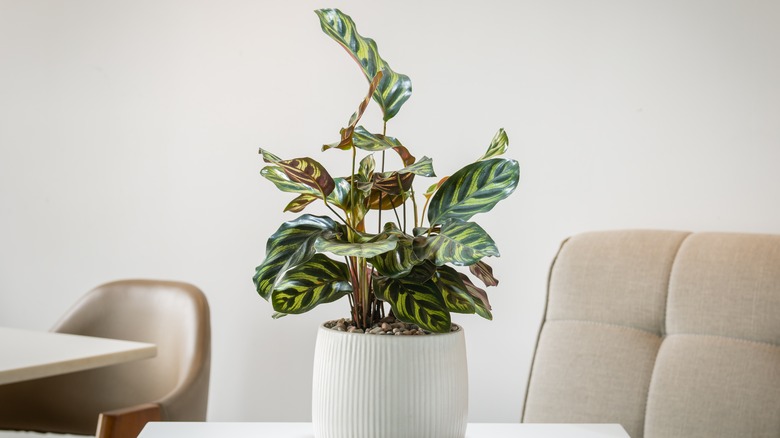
[[414, 205], [381, 195], [339, 216]]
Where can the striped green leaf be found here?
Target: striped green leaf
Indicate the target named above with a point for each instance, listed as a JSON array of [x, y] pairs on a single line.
[[398, 262], [338, 197], [318, 280], [340, 194], [340, 246], [362, 139], [306, 171], [423, 167], [476, 188], [454, 292], [394, 88], [459, 243], [415, 302], [299, 203], [366, 169], [290, 245], [276, 175], [497, 146]]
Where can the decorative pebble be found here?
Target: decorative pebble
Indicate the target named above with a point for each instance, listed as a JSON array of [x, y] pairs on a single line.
[[387, 326]]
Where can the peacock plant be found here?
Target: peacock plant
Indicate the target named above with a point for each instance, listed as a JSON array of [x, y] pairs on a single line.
[[312, 259]]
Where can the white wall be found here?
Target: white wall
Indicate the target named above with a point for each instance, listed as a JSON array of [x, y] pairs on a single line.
[[129, 135]]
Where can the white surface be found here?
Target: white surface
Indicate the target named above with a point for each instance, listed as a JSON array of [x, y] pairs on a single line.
[[31, 354], [361, 389], [304, 430], [129, 133]]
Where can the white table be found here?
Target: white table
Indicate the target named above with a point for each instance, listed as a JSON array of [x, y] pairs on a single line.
[[304, 430], [26, 354]]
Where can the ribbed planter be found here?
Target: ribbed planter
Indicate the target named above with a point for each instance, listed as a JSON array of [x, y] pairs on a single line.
[[381, 386]]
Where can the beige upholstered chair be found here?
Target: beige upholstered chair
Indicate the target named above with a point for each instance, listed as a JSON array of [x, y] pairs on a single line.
[[670, 334], [172, 386]]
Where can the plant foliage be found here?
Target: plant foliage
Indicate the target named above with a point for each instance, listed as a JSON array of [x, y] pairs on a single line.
[[312, 259]]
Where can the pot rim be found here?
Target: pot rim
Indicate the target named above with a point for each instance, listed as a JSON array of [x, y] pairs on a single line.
[[458, 327]]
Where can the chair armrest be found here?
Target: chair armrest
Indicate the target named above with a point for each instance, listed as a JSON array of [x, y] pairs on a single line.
[[127, 422]]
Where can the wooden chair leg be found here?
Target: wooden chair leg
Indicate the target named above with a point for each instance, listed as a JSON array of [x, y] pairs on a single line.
[[127, 423]]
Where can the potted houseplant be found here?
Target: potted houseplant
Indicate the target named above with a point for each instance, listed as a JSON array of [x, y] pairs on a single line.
[[392, 253]]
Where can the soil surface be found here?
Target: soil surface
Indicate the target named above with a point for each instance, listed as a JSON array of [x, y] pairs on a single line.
[[387, 326]]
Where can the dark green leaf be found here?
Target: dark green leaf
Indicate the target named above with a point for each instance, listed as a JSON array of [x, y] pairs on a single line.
[[394, 88], [453, 290], [459, 243], [290, 245], [476, 188], [316, 281], [398, 262], [417, 303]]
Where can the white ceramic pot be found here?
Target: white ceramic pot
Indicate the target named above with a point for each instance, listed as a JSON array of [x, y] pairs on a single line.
[[382, 386]]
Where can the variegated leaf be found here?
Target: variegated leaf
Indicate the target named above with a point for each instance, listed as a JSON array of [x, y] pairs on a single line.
[[318, 280], [422, 271], [277, 176], [406, 157], [304, 170], [497, 146], [340, 194], [379, 200], [347, 133], [366, 169], [290, 245], [300, 202], [414, 302], [268, 157], [423, 167], [459, 243], [476, 188], [398, 262], [481, 303], [433, 188], [394, 88], [367, 248], [453, 290], [338, 197], [484, 272], [393, 183], [362, 139]]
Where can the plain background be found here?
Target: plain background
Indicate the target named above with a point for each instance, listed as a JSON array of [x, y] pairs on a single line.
[[129, 133]]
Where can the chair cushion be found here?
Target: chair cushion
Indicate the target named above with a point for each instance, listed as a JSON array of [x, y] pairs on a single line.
[[671, 334]]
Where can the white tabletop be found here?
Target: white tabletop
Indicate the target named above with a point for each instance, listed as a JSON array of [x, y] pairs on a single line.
[[27, 354], [304, 430]]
